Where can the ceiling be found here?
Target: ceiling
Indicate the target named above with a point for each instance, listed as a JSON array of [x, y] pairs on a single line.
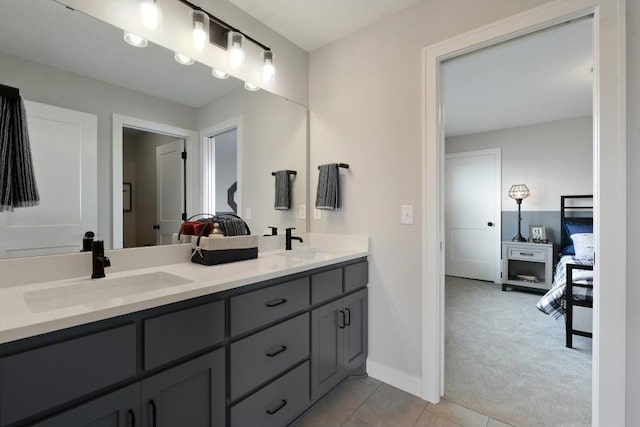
[[313, 24], [539, 78], [31, 29]]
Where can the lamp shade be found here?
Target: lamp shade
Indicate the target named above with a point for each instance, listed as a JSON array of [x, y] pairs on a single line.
[[519, 192]]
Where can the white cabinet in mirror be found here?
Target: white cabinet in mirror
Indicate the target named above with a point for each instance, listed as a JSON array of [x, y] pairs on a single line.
[[137, 110]]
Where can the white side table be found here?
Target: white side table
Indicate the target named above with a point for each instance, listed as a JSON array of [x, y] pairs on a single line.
[[527, 265]]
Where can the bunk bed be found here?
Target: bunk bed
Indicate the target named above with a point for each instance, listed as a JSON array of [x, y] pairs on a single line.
[[573, 278]]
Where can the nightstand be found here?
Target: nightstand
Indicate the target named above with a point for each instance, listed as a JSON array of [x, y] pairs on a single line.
[[527, 265]]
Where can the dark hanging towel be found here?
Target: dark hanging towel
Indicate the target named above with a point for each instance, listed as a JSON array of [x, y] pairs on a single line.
[[283, 192], [328, 194], [17, 181]]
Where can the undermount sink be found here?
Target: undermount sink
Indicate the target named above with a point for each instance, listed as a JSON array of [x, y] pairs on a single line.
[[307, 254], [94, 291]]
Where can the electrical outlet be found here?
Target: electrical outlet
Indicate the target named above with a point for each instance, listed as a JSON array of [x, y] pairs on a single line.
[[247, 213], [302, 211], [406, 214], [317, 213]]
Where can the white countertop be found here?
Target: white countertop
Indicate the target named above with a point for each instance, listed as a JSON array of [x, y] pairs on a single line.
[[19, 320]]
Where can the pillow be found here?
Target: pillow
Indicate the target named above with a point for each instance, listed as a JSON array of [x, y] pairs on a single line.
[[577, 227], [583, 243], [568, 250]]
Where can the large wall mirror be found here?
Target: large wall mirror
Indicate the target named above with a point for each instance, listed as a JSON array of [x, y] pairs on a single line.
[[108, 125]]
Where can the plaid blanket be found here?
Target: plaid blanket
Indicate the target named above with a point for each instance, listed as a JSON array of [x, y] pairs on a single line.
[[552, 303]]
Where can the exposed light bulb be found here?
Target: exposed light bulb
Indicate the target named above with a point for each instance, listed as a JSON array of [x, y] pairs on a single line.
[[183, 59], [268, 70], [219, 74], [199, 33], [135, 40], [151, 14], [236, 54], [251, 87]]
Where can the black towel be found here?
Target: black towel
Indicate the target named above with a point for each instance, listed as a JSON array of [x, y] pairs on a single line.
[[17, 181], [283, 194], [233, 226], [328, 194]]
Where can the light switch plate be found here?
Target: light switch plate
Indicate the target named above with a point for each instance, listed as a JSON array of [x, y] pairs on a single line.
[[406, 214], [317, 213], [302, 211], [247, 213]]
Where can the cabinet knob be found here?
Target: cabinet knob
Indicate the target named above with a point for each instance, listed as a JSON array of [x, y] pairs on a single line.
[[490, 224]]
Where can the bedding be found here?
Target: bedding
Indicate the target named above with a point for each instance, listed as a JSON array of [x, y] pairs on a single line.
[[583, 244], [552, 303]]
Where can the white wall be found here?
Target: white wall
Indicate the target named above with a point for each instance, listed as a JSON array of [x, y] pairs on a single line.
[[552, 159], [365, 102], [633, 213], [274, 137], [52, 86]]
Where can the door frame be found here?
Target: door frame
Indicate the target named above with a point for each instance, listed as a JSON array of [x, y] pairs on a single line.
[[118, 123], [211, 131], [610, 190], [497, 203]]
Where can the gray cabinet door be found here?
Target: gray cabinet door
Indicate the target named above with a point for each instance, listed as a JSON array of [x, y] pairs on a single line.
[[327, 348], [191, 394], [355, 346], [118, 409]]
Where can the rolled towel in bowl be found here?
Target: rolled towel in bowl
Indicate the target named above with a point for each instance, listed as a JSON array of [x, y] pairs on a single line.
[[283, 191], [328, 193]]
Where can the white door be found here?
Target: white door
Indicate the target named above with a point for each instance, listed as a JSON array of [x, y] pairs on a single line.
[[170, 189], [64, 151], [472, 215]]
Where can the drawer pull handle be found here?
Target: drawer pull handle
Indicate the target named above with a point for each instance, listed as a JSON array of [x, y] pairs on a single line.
[[343, 324], [526, 253], [280, 405], [348, 322], [132, 417], [154, 413], [274, 353], [276, 302]]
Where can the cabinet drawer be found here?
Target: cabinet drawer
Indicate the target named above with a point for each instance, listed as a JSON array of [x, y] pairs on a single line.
[[325, 286], [260, 307], [174, 335], [40, 379], [527, 254], [276, 404], [356, 276], [262, 356]]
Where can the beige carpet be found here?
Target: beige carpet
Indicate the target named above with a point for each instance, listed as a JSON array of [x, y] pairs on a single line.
[[505, 359]]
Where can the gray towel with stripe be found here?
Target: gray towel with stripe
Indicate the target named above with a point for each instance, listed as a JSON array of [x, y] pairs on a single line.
[[283, 191], [328, 194], [17, 180]]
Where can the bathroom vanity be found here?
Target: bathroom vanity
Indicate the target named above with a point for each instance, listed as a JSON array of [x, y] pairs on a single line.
[[253, 343]]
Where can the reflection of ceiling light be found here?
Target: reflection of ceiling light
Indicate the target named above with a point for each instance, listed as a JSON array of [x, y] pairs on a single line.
[[219, 74], [199, 33], [135, 40], [183, 59], [251, 87], [268, 70], [236, 54], [151, 14]]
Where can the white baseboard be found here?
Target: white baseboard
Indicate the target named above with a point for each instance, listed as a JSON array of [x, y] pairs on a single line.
[[412, 385]]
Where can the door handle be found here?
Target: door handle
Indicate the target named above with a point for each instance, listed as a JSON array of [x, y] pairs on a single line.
[[154, 413], [343, 324], [348, 321], [274, 353], [132, 416], [276, 302], [490, 224], [279, 406], [156, 227]]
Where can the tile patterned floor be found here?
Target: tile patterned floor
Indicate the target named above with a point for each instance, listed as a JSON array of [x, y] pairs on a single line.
[[367, 402]]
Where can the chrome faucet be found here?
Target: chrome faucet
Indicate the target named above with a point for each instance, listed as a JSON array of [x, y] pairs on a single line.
[[289, 238], [98, 259]]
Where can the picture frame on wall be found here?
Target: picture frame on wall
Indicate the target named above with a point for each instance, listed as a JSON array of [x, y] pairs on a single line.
[[126, 197], [537, 234]]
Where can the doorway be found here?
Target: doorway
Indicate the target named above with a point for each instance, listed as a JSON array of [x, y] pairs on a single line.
[[220, 172], [609, 195]]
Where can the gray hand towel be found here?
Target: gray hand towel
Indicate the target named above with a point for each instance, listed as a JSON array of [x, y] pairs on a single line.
[[328, 194], [17, 180], [283, 193]]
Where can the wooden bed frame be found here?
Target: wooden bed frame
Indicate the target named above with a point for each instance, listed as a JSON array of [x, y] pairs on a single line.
[[565, 240]]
